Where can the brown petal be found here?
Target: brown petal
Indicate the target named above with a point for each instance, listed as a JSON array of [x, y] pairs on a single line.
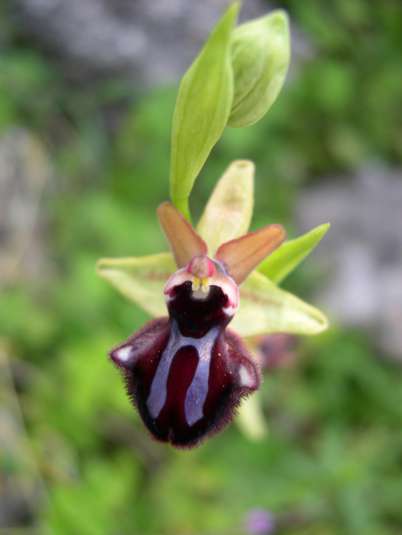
[[242, 255], [183, 239]]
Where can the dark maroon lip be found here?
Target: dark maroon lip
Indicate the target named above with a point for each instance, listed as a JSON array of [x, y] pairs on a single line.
[[186, 374], [196, 317], [163, 386]]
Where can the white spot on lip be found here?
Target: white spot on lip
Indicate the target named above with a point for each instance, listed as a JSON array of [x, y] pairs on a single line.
[[123, 354], [245, 377]]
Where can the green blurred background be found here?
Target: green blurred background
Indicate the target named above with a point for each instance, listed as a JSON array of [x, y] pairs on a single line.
[[92, 159]]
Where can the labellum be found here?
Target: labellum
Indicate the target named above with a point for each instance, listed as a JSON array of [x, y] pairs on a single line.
[[187, 373]]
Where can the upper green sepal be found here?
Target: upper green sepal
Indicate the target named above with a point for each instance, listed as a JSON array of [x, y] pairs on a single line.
[[202, 109], [229, 210], [291, 253], [260, 60]]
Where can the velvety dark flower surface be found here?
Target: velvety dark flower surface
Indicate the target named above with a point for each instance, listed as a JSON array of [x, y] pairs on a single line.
[[184, 392], [186, 372]]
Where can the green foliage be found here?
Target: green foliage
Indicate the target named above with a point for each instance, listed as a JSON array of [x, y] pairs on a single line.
[[103, 495], [24, 79]]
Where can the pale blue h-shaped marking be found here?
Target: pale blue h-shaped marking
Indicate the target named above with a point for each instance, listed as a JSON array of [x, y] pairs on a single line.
[[198, 390]]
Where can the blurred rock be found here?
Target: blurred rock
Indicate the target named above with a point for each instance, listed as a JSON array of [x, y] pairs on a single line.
[[146, 42], [362, 251], [24, 171]]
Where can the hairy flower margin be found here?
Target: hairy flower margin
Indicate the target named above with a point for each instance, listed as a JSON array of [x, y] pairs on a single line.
[[187, 373]]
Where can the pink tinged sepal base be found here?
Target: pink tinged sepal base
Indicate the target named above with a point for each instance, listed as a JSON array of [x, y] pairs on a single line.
[[185, 388]]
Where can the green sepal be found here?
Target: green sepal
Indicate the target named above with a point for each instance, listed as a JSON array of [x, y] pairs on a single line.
[[202, 109], [291, 253], [265, 308], [140, 279], [229, 210], [260, 60], [250, 418]]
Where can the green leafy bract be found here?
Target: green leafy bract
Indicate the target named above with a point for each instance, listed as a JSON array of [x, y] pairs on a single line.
[[261, 55], [202, 110]]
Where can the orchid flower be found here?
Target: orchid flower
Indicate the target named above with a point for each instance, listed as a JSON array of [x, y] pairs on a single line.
[[186, 372]]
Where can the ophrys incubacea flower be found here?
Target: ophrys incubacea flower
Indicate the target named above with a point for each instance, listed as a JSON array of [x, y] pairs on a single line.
[[187, 372]]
